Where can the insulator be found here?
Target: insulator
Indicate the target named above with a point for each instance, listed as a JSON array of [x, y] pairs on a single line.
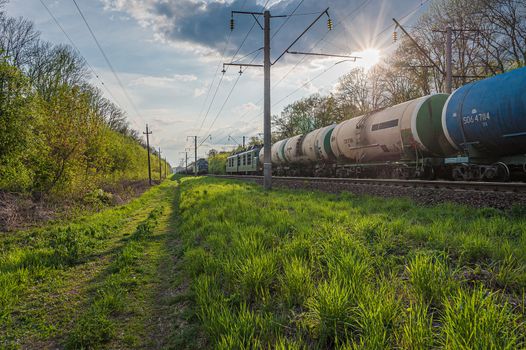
[[231, 24], [329, 24], [395, 37], [240, 70]]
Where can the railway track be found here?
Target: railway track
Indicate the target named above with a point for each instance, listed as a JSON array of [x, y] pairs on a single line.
[[511, 187]]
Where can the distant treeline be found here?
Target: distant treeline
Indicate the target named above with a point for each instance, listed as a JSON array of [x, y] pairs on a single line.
[[58, 134], [489, 38]]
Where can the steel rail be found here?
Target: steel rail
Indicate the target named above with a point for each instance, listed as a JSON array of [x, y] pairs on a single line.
[[437, 184]]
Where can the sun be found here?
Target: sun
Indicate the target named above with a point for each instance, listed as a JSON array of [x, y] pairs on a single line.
[[368, 58]]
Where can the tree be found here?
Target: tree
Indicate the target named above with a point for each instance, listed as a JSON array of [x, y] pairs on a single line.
[[16, 128], [18, 37]]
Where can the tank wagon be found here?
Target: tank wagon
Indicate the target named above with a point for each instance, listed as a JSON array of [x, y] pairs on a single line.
[[485, 122], [476, 133]]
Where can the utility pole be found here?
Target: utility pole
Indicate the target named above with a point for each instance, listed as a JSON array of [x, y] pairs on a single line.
[[186, 160], [448, 73], [160, 169], [236, 141], [267, 165], [195, 153], [424, 52], [449, 58], [148, 133]]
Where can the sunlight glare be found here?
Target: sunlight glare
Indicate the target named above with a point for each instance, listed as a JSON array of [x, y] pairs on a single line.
[[369, 57]]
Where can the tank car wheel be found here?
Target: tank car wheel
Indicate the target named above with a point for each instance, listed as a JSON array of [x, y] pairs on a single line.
[[503, 172], [429, 173]]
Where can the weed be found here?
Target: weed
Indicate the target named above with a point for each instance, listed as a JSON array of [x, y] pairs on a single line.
[[417, 330], [430, 277], [478, 320], [330, 313], [294, 269], [296, 282]]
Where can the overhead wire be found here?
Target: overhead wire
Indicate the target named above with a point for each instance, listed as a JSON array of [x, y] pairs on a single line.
[[422, 3], [217, 69], [352, 13], [213, 80], [80, 53], [221, 79], [224, 103], [404, 16], [108, 61], [286, 20], [235, 83]]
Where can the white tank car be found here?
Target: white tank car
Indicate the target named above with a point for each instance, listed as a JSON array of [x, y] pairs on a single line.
[[399, 132], [262, 156], [323, 143], [277, 152], [309, 146], [294, 151]]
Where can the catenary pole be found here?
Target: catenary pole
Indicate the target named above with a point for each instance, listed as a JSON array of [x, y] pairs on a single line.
[[267, 165], [195, 155], [160, 169], [449, 53], [148, 133]]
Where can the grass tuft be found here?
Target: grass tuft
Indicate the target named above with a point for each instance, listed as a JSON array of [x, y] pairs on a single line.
[[477, 319]]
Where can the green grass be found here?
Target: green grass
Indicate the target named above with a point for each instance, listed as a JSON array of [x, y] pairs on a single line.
[[92, 283], [294, 269]]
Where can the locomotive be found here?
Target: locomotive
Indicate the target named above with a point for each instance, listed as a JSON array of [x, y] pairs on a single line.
[[476, 133], [202, 167]]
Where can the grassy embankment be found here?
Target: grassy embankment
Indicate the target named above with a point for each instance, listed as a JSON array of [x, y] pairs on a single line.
[[295, 269], [97, 282]]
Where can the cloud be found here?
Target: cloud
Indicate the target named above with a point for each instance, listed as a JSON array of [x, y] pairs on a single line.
[[153, 81], [203, 25]]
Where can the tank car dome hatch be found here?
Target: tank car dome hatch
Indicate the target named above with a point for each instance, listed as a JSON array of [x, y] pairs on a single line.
[[488, 117]]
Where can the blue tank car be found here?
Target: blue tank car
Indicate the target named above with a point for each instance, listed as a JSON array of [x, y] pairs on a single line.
[[485, 121]]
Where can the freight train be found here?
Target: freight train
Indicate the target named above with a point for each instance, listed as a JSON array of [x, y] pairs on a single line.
[[476, 133]]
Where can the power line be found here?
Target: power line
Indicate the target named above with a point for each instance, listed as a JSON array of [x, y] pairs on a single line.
[[322, 39], [211, 102], [79, 52], [107, 60], [286, 20], [309, 81], [248, 54], [217, 70], [352, 13], [223, 105], [221, 80], [213, 80], [404, 16]]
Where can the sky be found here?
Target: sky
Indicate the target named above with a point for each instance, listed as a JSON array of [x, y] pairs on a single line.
[[168, 55]]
